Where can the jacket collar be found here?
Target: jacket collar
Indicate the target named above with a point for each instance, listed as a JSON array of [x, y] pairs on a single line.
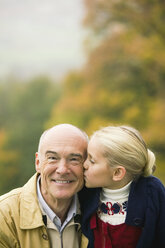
[[30, 213]]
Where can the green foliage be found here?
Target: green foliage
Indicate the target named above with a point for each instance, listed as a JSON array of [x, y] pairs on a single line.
[[24, 109]]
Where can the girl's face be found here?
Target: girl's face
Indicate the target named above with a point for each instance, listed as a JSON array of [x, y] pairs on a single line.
[[98, 172]]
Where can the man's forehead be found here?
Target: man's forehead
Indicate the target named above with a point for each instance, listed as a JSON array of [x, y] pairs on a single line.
[[62, 142], [66, 143], [64, 130], [62, 138], [71, 154], [63, 135]]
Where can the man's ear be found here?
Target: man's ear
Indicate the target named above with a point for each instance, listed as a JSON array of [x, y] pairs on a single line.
[[37, 162], [119, 173]]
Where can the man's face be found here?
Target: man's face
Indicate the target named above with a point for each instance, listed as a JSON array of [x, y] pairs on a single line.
[[60, 163]]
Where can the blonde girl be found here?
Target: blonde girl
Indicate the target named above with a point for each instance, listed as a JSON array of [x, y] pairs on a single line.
[[125, 205]]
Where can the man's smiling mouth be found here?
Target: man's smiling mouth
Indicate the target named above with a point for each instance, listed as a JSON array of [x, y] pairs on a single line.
[[62, 181]]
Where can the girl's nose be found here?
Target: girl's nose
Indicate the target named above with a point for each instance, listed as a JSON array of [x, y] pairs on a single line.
[[85, 165]]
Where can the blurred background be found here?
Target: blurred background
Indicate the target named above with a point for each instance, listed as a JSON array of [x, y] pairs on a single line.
[[90, 63]]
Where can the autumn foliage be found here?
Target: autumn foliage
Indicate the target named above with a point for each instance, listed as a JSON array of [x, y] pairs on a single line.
[[122, 82]]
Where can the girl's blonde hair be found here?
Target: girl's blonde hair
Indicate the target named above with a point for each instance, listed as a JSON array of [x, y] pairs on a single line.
[[123, 145]]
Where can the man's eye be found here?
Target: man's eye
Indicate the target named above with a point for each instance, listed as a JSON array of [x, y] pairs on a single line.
[[75, 160], [52, 158]]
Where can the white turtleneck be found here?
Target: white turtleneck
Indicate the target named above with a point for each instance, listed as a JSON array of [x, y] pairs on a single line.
[[113, 205]]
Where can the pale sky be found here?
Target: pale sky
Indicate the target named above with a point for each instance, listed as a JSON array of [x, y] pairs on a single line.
[[40, 37]]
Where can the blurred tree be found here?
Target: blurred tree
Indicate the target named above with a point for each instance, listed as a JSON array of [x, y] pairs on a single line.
[[123, 80], [129, 59], [73, 105], [24, 109], [128, 55], [7, 170]]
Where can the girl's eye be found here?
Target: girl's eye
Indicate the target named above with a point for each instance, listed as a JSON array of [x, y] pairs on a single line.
[[91, 161]]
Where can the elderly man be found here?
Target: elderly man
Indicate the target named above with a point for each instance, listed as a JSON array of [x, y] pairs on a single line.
[[45, 212]]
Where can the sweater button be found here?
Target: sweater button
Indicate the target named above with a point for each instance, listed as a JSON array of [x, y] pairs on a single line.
[[138, 221], [44, 236]]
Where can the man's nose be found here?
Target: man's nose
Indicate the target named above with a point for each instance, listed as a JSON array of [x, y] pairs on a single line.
[[63, 167]]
